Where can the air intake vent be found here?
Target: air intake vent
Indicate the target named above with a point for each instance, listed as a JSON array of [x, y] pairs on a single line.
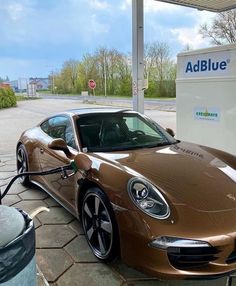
[[231, 258], [191, 257]]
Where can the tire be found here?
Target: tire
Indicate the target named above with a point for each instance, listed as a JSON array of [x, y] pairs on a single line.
[[99, 225], [22, 164]]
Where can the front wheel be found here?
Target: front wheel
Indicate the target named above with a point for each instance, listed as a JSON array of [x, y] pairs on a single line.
[[99, 225], [22, 164]]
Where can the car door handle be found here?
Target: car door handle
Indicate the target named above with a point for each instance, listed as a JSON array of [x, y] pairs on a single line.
[[41, 150]]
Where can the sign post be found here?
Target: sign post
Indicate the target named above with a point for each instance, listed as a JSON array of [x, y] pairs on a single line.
[[92, 85]]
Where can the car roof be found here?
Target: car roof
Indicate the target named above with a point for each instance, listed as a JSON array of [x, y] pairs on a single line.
[[88, 111], [96, 110]]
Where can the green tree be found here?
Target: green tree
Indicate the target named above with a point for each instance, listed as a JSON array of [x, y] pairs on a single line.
[[114, 74], [87, 70], [7, 98], [66, 81], [160, 70], [109, 69]]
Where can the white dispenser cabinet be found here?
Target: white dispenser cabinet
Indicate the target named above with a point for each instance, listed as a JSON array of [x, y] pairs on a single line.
[[206, 97]]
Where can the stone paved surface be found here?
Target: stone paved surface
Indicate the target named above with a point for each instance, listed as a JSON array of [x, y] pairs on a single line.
[[62, 253]]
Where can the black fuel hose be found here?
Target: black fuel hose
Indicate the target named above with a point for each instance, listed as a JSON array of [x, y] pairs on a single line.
[[42, 173]]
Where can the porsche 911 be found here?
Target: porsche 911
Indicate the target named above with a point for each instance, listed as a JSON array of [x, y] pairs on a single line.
[[166, 207]]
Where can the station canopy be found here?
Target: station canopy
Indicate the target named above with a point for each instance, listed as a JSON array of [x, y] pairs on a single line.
[[209, 5]]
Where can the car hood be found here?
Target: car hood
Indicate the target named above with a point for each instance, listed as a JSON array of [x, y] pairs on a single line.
[[198, 176]]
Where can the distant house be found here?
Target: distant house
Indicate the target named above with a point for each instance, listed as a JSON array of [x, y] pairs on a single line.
[[40, 83], [5, 85], [14, 85], [19, 85]]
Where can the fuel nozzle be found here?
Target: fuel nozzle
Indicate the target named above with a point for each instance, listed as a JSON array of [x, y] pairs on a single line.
[[81, 162]]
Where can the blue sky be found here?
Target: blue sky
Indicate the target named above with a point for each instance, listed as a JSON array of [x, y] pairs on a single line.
[[37, 36]]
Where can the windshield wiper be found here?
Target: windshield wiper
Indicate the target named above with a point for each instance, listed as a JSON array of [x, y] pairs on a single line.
[[159, 144], [132, 147]]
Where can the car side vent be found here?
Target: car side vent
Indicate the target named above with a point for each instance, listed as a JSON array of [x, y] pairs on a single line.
[[231, 258], [191, 257]]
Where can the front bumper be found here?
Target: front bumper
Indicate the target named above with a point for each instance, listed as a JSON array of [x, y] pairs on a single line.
[[136, 237], [180, 263]]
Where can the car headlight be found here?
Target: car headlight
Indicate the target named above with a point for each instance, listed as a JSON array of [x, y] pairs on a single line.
[[164, 242], [148, 198]]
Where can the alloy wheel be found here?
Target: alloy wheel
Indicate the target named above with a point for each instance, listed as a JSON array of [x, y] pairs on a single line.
[[98, 225], [22, 164]]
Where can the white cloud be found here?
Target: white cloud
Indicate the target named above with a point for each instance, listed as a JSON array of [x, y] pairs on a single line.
[[99, 5], [125, 4], [191, 36], [98, 27], [151, 6], [15, 11]]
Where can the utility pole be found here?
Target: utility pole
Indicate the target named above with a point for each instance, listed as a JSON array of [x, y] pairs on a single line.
[[52, 82], [105, 74]]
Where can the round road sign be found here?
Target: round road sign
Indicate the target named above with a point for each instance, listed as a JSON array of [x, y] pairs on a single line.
[[92, 84]]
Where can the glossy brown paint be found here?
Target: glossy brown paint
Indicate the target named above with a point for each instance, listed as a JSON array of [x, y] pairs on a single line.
[[199, 184]]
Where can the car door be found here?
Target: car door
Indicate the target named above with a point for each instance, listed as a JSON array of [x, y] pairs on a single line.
[[63, 190]]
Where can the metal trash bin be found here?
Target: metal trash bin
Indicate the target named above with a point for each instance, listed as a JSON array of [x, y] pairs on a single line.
[[17, 248]]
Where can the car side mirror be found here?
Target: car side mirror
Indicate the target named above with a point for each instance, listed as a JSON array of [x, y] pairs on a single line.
[[59, 144], [170, 131], [83, 162]]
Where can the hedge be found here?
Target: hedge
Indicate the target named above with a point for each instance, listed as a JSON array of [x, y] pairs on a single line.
[[7, 98]]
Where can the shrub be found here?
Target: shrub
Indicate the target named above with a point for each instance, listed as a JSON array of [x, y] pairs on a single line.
[[165, 88], [7, 98]]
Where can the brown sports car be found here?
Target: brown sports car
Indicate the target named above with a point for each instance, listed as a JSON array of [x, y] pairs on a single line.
[[166, 207]]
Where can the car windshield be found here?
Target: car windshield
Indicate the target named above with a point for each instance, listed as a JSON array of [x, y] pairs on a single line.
[[120, 131]]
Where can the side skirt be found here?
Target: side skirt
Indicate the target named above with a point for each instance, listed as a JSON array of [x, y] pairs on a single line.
[[55, 198]]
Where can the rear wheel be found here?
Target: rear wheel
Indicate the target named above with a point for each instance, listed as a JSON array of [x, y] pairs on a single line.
[[99, 225], [22, 164]]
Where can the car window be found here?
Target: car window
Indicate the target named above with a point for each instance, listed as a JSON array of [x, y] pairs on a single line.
[[60, 127], [134, 125], [120, 131]]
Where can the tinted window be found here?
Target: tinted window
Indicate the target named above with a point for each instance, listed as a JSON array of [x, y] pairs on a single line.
[[120, 131], [60, 127]]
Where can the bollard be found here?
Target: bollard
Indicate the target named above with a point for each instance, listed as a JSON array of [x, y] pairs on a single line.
[[17, 248]]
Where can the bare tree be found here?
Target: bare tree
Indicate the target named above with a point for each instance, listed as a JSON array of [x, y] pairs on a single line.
[[159, 69], [111, 65], [222, 30], [157, 58], [65, 80]]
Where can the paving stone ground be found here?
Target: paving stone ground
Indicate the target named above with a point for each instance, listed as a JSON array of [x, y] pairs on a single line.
[[62, 253]]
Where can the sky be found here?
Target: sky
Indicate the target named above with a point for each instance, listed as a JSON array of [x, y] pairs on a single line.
[[38, 36]]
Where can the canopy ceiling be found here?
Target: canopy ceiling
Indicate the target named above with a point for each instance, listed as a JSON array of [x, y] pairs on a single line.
[[209, 5]]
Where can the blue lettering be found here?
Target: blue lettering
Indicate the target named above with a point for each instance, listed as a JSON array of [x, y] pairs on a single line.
[[209, 65], [196, 66], [189, 67], [203, 65], [215, 66], [206, 66], [223, 65]]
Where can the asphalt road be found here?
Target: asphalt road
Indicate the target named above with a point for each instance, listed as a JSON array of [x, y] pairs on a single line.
[[161, 104]]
